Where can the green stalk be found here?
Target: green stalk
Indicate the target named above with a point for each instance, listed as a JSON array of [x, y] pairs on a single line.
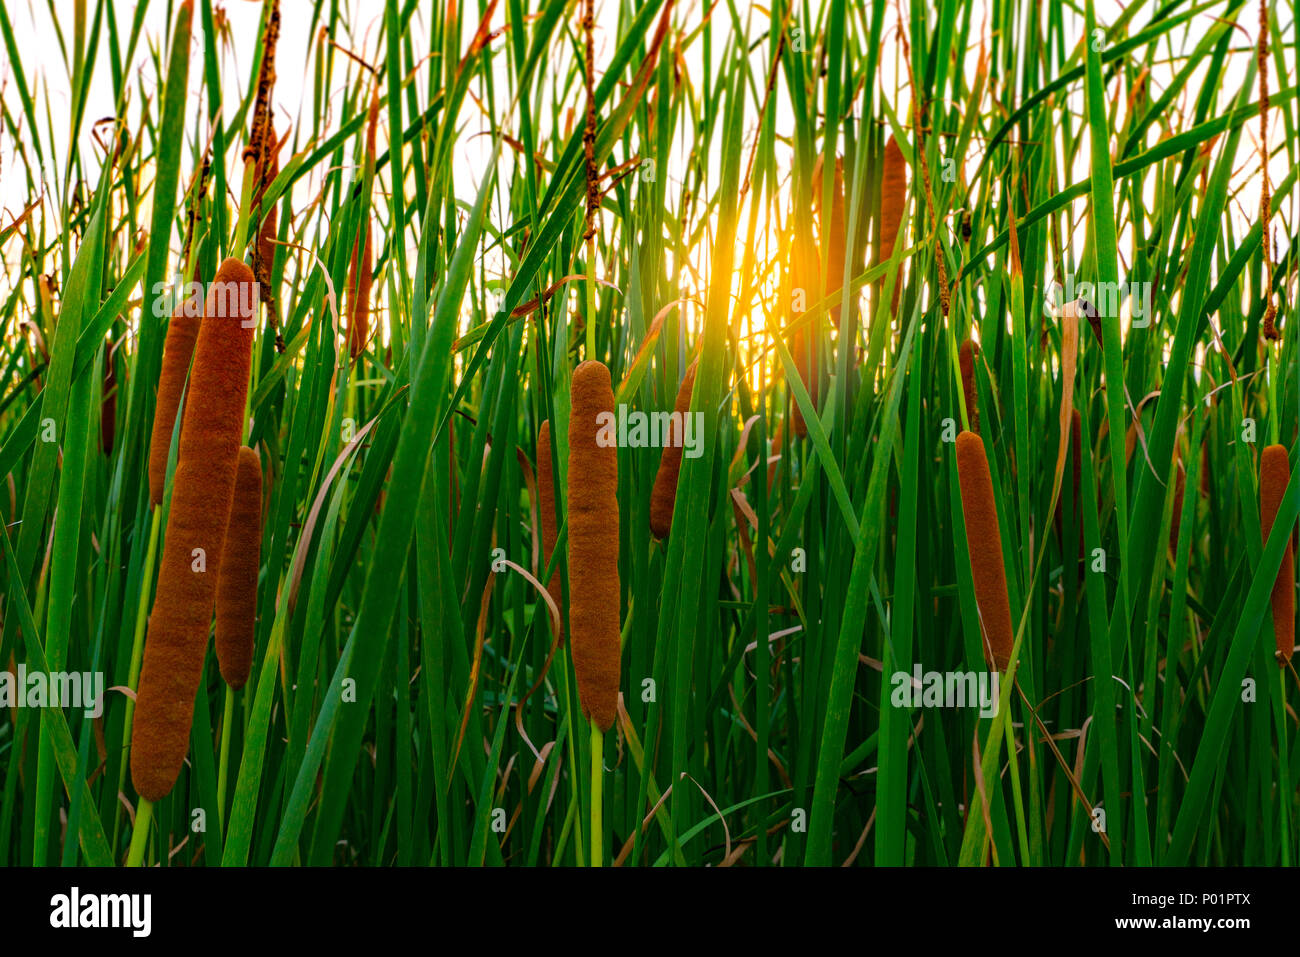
[[137, 658], [597, 789], [140, 836], [227, 720]]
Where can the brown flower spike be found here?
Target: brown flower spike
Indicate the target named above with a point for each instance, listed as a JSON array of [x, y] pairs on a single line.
[[984, 541], [203, 492], [593, 546]]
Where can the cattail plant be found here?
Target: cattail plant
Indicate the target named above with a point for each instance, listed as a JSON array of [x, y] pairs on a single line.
[[1274, 475], [591, 498], [592, 501], [664, 493], [268, 168], [237, 578], [967, 353], [178, 349], [984, 540], [893, 196], [260, 164], [361, 269], [362, 276], [832, 233], [204, 489], [702, 189]]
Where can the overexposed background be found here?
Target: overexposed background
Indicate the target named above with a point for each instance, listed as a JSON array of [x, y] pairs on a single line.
[[40, 38]]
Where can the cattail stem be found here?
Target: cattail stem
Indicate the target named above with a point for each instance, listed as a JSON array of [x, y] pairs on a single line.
[[140, 836], [593, 188], [1284, 772], [223, 769], [1274, 418], [590, 331], [970, 393], [137, 655], [1022, 831], [245, 201], [597, 796]]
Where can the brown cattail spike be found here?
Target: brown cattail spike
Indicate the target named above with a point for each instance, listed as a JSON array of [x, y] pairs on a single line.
[[893, 196], [593, 543], [664, 494], [835, 237], [967, 354], [204, 490], [1274, 475], [178, 348], [359, 292], [546, 494], [237, 579], [361, 270], [984, 540]]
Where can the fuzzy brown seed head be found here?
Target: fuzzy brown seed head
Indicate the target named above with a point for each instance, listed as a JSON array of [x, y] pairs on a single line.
[[592, 503], [202, 495], [984, 541], [178, 348], [664, 494], [835, 237], [362, 273], [893, 196], [1274, 475], [237, 579]]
